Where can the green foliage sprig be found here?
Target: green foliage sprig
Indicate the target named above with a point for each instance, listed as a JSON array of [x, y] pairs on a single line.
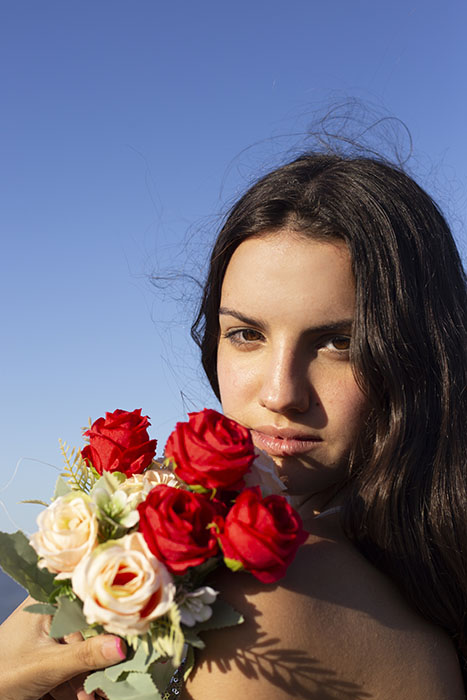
[[79, 476]]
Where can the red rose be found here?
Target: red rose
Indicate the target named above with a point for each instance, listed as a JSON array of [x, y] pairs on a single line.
[[211, 451], [261, 535], [120, 442], [174, 523]]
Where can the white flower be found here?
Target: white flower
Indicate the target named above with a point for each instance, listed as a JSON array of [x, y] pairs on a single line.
[[196, 606], [263, 473], [118, 497], [67, 533], [123, 586], [113, 501]]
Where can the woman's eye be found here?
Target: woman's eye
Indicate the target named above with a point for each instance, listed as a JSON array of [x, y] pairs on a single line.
[[339, 343], [243, 336]]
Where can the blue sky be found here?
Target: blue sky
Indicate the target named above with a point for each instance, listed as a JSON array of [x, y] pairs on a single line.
[[126, 129]]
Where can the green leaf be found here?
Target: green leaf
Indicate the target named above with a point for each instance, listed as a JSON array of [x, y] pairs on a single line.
[[161, 674], [68, 618], [92, 631], [19, 560], [61, 487], [62, 587], [189, 663], [145, 655], [192, 638], [137, 686], [112, 480], [80, 477], [199, 573], [223, 615], [41, 609], [233, 564], [197, 488]]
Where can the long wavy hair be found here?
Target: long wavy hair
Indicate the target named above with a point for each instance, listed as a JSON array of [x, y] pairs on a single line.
[[407, 504]]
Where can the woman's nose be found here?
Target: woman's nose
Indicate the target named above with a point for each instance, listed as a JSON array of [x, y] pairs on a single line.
[[285, 385]]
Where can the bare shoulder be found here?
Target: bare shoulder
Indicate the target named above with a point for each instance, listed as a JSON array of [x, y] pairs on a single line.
[[334, 628]]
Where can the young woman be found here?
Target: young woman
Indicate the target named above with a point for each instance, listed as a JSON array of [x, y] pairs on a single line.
[[333, 325]]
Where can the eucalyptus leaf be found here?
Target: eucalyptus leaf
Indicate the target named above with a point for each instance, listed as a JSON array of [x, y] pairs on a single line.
[[108, 483], [62, 588], [19, 560], [192, 638], [140, 662], [223, 615], [41, 609], [137, 686], [68, 618], [61, 487]]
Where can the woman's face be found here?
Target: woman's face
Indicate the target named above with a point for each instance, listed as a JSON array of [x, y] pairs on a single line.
[[286, 315]]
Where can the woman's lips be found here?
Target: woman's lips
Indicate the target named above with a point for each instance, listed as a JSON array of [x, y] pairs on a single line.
[[281, 443]]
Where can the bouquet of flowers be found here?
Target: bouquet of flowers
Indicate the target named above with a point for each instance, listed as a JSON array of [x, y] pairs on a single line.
[[128, 542]]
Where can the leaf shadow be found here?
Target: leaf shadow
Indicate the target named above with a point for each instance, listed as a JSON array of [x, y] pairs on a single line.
[[294, 671]]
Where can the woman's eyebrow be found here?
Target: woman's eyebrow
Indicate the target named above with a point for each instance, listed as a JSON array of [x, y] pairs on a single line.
[[340, 326], [224, 311]]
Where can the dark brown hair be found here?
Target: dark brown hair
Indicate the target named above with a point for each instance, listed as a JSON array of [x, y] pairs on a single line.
[[407, 508]]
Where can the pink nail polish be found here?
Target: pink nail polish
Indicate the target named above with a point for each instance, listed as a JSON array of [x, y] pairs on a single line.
[[114, 649], [121, 649], [83, 695]]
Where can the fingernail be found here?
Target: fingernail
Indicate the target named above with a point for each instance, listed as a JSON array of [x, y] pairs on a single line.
[[114, 649], [83, 695]]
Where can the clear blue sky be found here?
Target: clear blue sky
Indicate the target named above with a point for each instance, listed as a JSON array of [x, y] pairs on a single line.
[[122, 134]]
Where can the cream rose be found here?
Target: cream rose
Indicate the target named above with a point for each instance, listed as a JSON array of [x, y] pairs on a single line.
[[67, 533], [123, 586], [154, 477], [137, 487], [263, 473], [133, 489]]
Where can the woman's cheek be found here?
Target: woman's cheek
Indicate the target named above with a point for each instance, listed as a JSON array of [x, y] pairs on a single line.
[[346, 404], [237, 380]]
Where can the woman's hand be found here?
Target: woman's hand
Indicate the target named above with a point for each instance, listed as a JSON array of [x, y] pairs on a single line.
[[33, 665]]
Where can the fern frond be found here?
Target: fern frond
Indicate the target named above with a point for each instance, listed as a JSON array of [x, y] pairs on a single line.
[[76, 471], [85, 429]]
